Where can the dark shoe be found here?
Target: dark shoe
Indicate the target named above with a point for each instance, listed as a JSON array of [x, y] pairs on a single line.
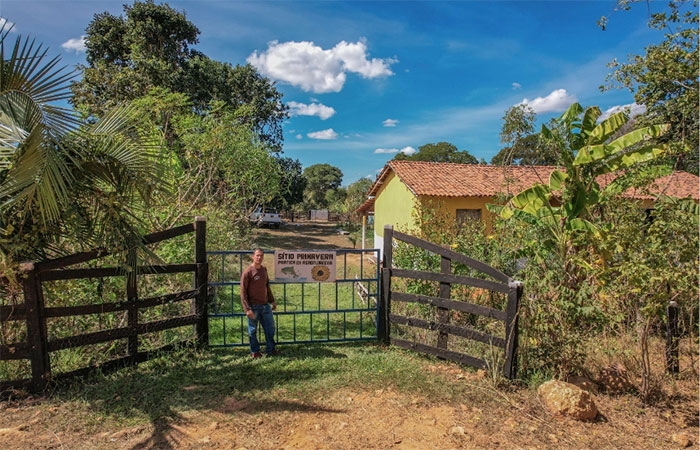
[[256, 355], [274, 352]]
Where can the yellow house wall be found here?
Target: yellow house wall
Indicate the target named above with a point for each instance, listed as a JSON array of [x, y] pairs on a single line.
[[393, 205], [452, 204]]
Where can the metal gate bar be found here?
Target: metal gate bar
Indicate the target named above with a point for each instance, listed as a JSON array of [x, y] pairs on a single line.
[[223, 312]]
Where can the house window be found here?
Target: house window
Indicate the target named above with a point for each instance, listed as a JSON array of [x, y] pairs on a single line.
[[464, 215]]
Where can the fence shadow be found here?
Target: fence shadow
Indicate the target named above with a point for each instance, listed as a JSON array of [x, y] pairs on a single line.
[[223, 380]]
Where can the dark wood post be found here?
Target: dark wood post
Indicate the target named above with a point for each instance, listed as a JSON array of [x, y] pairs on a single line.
[[443, 314], [201, 281], [384, 329], [511, 363], [672, 338], [36, 328], [132, 297]]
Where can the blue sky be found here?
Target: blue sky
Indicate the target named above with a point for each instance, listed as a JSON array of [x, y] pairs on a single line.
[[368, 79]]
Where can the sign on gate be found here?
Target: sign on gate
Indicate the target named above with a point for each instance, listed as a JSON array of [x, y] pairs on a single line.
[[304, 266]]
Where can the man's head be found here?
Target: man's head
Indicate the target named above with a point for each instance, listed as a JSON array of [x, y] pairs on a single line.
[[258, 256]]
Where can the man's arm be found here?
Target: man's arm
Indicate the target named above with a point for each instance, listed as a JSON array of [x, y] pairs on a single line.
[[244, 295]]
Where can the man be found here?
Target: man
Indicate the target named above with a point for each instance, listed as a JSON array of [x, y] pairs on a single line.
[[258, 303]]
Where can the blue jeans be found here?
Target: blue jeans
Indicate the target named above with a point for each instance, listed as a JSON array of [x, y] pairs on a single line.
[[263, 313]]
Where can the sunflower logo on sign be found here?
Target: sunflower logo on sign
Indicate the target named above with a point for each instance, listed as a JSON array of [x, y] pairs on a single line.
[[320, 273]]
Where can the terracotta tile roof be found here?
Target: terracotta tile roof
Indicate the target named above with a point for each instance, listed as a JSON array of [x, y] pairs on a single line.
[[678, 184], [478, 180], [463, 180]]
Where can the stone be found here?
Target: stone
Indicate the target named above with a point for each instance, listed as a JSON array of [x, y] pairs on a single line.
[[584, 383], [681, 440], [457, 431], [565, 399], [614, 379]]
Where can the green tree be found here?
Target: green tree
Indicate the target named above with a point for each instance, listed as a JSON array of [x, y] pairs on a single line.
[[357, 194], [292, 184], [335, 199], [151, 47], [65, 184], [320, 178], [525, 146], [665, 79], [439, 152]]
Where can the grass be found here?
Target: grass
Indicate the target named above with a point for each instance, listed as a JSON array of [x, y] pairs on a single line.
[[192, 380]]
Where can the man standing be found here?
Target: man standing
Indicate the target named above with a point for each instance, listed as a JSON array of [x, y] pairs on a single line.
[[258, 303]]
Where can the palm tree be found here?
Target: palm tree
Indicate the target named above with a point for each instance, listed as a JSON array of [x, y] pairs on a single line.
[[66, 183]]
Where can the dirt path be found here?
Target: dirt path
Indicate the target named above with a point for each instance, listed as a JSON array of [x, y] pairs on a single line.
[[302, 235], [359, 419]]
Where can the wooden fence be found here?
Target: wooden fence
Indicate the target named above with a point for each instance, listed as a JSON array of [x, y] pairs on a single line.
[[504, 284], [34, 311]]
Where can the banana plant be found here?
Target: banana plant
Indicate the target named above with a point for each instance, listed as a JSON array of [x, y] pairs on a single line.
[[588, 149]]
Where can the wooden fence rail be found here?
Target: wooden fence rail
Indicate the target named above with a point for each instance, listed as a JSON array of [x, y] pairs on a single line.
[[35, 313], [444, 304]]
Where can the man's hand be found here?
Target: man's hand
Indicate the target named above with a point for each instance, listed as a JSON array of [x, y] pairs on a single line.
[[250, 314], [273, 305]]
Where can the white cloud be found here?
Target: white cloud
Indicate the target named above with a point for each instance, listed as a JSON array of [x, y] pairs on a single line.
[[299, 136], [632, 109], [314, 69], [314, 109], [390, 122], [328, 134], [408, 150], [6, 24], [76, 44], [557, 100], [516, 85]]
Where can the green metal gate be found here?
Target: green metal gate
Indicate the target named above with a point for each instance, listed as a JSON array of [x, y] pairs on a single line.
[[345, 310]]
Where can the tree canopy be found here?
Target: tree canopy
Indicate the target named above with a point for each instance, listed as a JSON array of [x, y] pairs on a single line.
[[439, 152], [150, 47], [320, 179], [665, 79], [526, 147]]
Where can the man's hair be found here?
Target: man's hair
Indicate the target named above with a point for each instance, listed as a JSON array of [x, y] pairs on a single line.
[[258, 249]]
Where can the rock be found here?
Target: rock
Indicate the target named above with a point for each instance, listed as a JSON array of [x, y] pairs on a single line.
[[457, 431], [584, 383], [565, 399], [614, 379], [681, 440]]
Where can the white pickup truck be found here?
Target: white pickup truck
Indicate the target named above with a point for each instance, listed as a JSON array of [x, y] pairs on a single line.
[[266, 217]]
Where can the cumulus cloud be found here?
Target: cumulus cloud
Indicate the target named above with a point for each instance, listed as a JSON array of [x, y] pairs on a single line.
[[390, 122], [76, 45], [557, 100], [314, 109], [406, 150], [325, 135], [299, 136], [312, 68], [516, 85], [632, 109]]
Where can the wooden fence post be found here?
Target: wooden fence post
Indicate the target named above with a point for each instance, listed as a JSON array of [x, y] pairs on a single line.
[[672, 335], [385, 304], [443, 314], [511, 363], [132, 297], [36, 328], [201, 281]]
